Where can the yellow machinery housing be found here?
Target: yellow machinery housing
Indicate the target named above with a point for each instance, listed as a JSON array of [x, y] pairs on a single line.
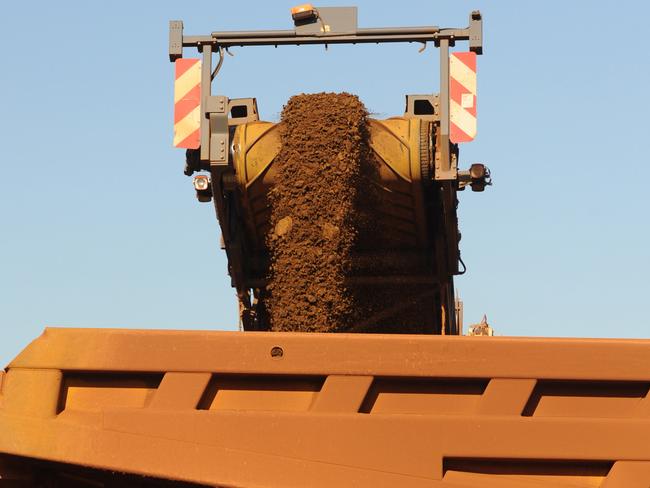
[[417, 254], [398, 144]]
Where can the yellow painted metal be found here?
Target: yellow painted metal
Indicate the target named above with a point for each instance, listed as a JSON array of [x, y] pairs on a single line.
[[395, 143], [255, 146]]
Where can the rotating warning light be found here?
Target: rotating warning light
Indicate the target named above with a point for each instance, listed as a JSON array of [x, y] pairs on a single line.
[[304, 12]]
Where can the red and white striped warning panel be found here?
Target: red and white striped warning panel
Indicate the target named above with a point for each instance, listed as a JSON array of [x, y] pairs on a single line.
[[187, 103], [462, 97]]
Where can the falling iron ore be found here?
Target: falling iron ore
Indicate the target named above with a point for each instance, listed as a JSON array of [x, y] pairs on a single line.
[[323, 144], [323, 218]]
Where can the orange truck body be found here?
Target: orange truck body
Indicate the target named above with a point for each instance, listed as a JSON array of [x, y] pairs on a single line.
[[86, 407]]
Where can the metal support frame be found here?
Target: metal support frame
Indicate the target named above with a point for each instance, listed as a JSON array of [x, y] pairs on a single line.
[[444, 170], [206, 82], [368, 35], [442, 37], [339, 27]]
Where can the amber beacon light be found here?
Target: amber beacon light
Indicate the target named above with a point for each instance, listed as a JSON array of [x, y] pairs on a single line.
[[303, 12]]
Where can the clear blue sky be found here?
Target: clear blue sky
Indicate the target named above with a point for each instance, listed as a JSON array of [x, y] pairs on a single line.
[[99, 227]]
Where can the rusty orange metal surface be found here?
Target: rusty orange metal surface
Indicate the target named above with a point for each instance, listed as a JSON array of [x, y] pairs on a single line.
[[295, 410]]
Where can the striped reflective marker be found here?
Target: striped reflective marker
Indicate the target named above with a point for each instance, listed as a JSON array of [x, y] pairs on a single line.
[[187, 103], [462, 97]]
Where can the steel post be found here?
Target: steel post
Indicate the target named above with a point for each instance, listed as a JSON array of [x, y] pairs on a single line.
[[443, 165], [206, 91]]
